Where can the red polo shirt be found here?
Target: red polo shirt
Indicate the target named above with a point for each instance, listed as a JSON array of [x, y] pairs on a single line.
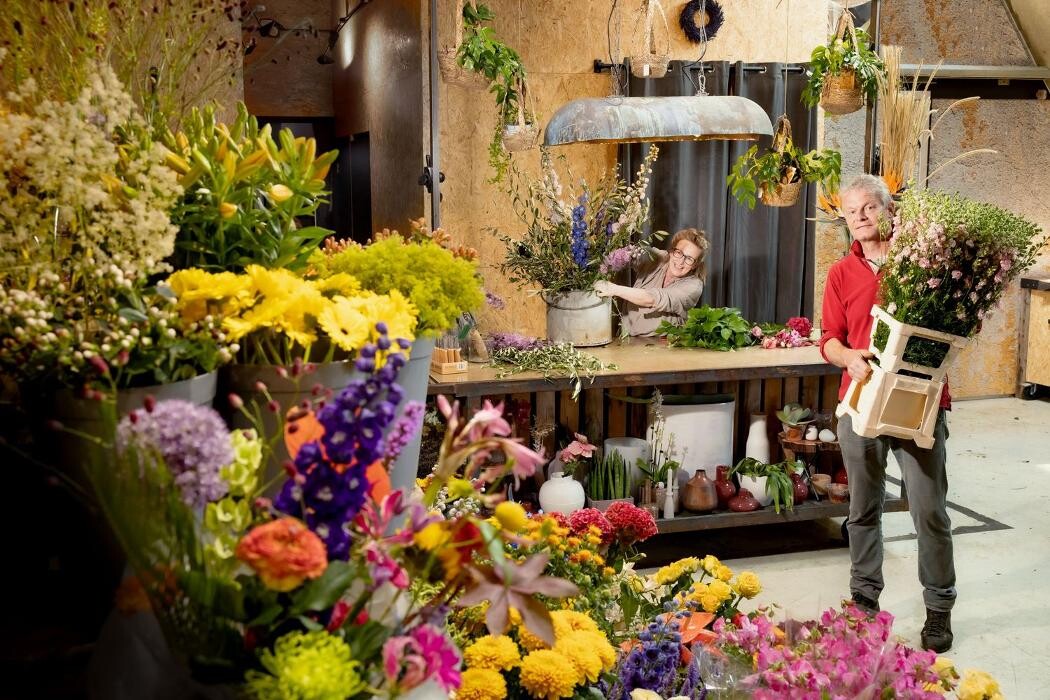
[[848, 297]]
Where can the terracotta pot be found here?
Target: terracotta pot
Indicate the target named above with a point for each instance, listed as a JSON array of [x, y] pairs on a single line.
[[743, 502], [724, 487], [699, 494], [792, 432], [838, 493], [820, 483], [801, 490]]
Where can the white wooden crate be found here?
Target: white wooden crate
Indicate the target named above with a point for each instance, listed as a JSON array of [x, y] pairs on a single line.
[[895, 405], [891, 358]]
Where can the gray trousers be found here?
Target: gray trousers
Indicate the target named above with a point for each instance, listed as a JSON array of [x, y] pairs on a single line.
[[926, 485]]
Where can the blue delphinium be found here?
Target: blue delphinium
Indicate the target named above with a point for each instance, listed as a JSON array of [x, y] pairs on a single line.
[[329, 485], [579, 232]]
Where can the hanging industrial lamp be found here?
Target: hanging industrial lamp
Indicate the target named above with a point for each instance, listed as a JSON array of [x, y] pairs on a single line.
[[619, 119]]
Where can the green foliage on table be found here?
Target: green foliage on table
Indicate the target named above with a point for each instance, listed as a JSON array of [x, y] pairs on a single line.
[[778, 478], [794, 414], [839, 55], [714, 328], [609, 479], [753, 173], [246, 195], [557, 360], [440, 285]]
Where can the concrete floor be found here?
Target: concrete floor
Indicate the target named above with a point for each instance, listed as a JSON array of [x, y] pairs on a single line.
[[999, 486]]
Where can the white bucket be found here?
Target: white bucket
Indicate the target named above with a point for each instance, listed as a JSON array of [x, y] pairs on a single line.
[[581, 318], [698, 435]]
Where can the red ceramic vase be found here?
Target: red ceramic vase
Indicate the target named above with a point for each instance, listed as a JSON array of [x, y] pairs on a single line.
[[743, 502], [800, 488], [725, 488]]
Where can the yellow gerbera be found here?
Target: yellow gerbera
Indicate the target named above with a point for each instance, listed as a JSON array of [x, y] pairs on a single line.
[[339, 282], [482, 684], [343, 322], [548, 674]]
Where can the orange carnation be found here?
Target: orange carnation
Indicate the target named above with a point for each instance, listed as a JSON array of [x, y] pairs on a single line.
[[284, 553]]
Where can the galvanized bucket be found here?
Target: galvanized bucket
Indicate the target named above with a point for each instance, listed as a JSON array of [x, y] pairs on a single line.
[[581, 318]]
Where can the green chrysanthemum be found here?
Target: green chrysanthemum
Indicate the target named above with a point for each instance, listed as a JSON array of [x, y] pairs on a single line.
[[306, 666]]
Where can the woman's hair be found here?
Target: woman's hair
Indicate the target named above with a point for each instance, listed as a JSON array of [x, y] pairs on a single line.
[[696, 237]]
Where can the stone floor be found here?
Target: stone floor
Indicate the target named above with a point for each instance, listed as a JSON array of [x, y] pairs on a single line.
[[999, 484]]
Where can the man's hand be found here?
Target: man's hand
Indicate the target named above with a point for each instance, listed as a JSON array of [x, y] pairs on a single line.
[[856, 363]]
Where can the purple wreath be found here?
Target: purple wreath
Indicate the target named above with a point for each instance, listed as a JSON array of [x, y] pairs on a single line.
[[687, 20]]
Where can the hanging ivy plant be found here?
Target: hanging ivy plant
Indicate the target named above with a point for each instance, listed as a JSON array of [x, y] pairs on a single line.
[[840, 55]]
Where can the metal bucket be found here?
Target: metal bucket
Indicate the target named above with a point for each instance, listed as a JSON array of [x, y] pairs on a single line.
[[581, 318]]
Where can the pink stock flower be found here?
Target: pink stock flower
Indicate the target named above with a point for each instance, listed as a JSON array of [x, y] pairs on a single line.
[[956, 274], [425, 654]]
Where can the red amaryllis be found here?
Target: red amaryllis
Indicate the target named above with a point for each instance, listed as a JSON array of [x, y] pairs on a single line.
[[284, 553]]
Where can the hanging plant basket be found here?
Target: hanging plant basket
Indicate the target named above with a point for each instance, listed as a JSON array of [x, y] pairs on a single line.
[[841, 93], [522, 135], [652, 63], [787, 191], [448, 60]]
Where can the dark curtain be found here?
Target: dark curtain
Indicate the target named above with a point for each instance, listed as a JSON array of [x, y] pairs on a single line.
[[761, 260]]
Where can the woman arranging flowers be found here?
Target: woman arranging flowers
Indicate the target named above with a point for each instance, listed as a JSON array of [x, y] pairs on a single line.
[[667, 285]]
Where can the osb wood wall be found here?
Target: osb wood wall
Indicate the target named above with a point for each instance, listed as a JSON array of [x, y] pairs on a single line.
[[558, 41], [282, 77], [972, 32]]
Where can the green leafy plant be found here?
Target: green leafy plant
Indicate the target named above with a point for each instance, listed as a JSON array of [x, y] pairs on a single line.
[[657, 472], [794, 414], [558, 360], [246, 196], [714, 328], [753, 174], [778, 479], [609, 479], [841, 55]]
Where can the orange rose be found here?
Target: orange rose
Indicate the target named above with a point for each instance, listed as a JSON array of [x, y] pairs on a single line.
[[284, 553]]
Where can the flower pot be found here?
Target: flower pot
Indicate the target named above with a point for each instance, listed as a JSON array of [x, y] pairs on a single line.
[[799, 488], [700, 494], [757, 445], [561, 494], [414, 378], [520, 137], [579, 317], [744, 502], [455, 74], [757, 486], [700, 433], [784, 194], [838, 493], [841, 94], [820, 483]]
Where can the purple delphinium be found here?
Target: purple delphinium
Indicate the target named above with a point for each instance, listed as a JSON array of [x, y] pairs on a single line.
[[620, 259], [656, 665], [405, 428], [330, 484], [192, 440], [579, 232], [514, 341]]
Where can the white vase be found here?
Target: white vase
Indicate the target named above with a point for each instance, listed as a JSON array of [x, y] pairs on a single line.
[[757, 486], [757, 446], [561, 494]]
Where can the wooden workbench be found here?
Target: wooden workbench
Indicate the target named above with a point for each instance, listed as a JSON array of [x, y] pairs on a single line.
[[761, 381]]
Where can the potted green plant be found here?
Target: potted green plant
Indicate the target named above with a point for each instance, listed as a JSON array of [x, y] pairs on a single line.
[[609, 481], [845, 71], [457, 62], [769, 483], [794, 417], [778, 174]]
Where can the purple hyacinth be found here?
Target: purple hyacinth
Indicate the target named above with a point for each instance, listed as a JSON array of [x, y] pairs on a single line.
[[579, 232], [495, 301], [192, 440], [405, 428], [326, 494]]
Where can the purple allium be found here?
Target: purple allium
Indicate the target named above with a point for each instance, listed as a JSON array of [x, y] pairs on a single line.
[[579, 233], [192, 440], [620, 259], [514, 341], [405, 428], [494, 300]]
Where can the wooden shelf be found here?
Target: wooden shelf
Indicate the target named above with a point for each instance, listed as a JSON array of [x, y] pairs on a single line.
[[648, 362], [810, 510]]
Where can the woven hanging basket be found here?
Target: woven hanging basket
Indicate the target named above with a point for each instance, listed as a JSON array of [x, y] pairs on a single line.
[[652, 63], [522, 135], [841, 94], [784, 194], [453, 73]]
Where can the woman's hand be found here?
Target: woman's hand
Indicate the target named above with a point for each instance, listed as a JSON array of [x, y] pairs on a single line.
[[604, 288]]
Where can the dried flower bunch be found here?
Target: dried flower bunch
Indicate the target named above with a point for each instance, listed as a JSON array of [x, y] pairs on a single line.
[[572, 238]]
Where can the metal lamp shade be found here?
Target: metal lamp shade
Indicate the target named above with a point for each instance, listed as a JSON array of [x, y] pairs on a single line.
[[631, 119]]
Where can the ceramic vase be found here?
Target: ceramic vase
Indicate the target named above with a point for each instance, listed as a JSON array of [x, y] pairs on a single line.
[[700, 494], [757, 446], [724, 486], [743, 502], [561, 494], [757, 486], [799, 487]]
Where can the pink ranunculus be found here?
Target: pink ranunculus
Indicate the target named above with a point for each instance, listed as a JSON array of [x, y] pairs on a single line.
[[769, 342], [756, 332]]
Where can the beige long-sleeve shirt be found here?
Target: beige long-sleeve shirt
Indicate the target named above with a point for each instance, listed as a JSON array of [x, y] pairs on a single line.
[[672, 303]]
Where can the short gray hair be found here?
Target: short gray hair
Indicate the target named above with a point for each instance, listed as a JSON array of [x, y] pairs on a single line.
[[869, 184]]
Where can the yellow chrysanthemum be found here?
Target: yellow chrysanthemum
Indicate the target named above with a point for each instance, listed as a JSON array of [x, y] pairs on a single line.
[[720, 589], [528, 640], [978, 685], [566, 621], [482, 684], [577, 649], [722, 572], [547, 674], [748, 585], [496, 653], [601, 646]]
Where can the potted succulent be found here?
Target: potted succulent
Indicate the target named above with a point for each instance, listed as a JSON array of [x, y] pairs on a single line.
[[609, 481], [794, 417], [845, 71], [768, 483], [778, 174]]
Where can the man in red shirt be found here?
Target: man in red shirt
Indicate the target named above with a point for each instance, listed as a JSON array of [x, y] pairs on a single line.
[[848, 297]]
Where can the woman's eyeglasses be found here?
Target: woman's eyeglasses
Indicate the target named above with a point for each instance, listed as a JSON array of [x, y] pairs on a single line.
[[679, 255]]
